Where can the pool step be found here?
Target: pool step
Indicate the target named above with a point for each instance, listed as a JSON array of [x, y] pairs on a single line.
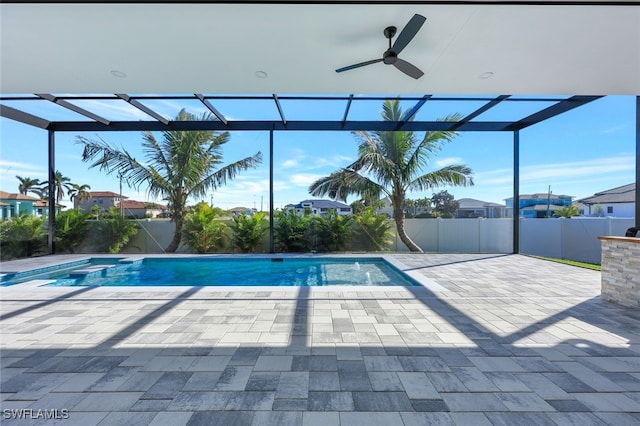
[[93, 271]]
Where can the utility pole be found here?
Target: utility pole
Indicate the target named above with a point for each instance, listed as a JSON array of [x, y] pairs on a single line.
[[548, 201]]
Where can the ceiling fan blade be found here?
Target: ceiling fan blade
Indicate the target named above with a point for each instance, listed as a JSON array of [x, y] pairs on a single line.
[[361, 64], [409, 69], [408, 32]]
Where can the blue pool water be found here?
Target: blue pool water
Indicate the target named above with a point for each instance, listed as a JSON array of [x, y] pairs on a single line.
[[297, 272]]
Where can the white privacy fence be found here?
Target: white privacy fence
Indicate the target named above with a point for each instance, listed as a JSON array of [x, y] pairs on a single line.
[[574, 239]]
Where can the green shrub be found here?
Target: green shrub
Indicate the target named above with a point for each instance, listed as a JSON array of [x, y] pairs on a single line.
[[371, 232], [331, 231], [115, 231], [72, 227], [22, 236], [248, 232], [202, 232], [291, 232]]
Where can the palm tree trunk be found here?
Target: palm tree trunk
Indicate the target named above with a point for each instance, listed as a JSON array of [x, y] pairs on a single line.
[[177, 235], [398, 216]]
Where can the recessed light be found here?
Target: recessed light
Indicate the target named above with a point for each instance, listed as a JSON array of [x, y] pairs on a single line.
[[118, 74], [486, 75], [261, 74]]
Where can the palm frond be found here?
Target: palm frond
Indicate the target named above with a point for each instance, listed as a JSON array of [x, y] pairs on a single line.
[[339, 185], [221, 176], [455, 175]]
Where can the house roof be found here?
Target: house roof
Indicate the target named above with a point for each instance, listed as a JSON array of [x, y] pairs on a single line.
[[107, 194], [133, 205], [541, 195], [621, 194], [542, 207], [324, 204], [472, 203], [13, 196]]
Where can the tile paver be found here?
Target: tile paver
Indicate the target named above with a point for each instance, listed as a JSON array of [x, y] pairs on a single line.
[[498, 340]]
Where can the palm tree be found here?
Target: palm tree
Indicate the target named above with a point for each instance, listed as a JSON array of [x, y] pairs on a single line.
[[27, 184], [390, 163], [61, 183], [182, 165], [79, 193]]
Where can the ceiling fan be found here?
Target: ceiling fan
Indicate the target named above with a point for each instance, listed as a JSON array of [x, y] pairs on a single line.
[[390, 56]]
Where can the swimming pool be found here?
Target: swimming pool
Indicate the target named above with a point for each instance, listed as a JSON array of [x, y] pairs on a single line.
[[216, 272]]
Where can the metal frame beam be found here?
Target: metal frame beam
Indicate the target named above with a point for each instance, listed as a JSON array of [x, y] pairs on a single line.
[[74, 108], [143, 108], [415, 126], [213, 109], [479, 111], [346, 110], [284, 120], [52, 191], [271, 219], [516, 192], [413, 111], [559, 108], [24, 117], [637, 212]]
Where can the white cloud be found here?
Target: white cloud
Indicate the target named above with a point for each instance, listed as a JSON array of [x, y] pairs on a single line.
[[9, 169], [448, 161], [335, 161], [559, 171], [290, 163], [303, 179], [614, 129]]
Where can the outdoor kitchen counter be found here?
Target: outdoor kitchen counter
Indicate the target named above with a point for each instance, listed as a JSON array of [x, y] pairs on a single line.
[[621, 270]]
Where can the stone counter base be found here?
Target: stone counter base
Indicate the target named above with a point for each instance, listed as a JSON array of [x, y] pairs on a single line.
[[621, 270]]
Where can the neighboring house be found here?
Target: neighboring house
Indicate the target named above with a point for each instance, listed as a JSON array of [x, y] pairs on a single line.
[[141, 209], [238, 211], [618, 202], [103, 199], [472, 208], [12, 204], [387, 208], [107, 199], [539, 205], [320, 207]]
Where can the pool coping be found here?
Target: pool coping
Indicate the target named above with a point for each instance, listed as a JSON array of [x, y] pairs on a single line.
[[420, 279]]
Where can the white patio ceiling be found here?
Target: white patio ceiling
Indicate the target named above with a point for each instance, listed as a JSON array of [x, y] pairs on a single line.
[[545, 48]]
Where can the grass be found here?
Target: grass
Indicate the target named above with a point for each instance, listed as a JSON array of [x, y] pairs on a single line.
[[593, 266]]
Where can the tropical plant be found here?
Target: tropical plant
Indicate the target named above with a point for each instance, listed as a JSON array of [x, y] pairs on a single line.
[[291, 232], [182, 165], [444, 204], [372, 232], [72, 227], [60, 184], [331, 231], [567, 211], [28, 185], [203, 232], [79, 193], [390, 163], [598, 210], [21, 236], [248, 231], [115, 231]]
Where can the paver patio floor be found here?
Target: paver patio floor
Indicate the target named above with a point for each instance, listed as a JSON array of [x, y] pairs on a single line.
[[497, 339]]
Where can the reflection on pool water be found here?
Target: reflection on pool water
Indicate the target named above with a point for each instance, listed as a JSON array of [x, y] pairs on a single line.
[[194, 271]]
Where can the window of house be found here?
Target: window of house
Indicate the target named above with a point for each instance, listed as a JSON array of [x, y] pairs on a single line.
[[610, 209]]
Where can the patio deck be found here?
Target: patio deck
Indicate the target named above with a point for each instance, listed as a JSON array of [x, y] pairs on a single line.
[[504, 339]]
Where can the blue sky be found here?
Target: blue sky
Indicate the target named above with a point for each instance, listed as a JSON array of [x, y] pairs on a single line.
[[578, 153]]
